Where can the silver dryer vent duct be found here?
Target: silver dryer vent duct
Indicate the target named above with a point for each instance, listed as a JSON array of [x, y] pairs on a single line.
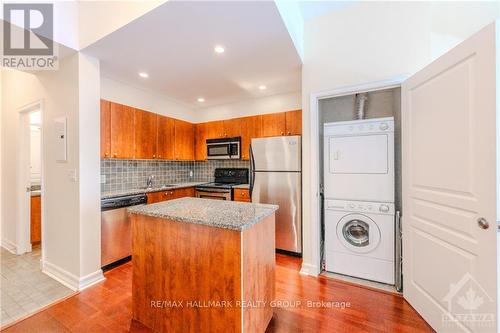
[[359, 102]]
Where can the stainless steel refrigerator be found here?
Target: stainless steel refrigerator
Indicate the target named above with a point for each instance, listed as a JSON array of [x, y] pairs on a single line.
[[276, 178]]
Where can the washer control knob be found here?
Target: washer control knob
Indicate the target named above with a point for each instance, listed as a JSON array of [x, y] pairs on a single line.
[[384, 208], [383, 126]]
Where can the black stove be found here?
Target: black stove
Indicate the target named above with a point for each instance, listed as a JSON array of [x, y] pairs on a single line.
[[225, 179]]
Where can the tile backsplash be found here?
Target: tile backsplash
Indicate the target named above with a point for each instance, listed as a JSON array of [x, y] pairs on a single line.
[[131, 174]]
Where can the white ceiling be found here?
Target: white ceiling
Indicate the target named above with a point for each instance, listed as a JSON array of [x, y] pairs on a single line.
[[312, 9], [174, 45]]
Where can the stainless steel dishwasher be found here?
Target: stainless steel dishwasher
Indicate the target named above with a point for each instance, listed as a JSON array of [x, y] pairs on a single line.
[[116, 232]]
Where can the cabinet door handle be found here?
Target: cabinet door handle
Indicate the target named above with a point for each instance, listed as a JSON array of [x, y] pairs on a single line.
[[106, 154], [115, 154], [289, 133], [282, 133], [154, 156]]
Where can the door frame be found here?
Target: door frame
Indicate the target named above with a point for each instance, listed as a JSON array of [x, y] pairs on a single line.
[[24, 209], [313, 267]]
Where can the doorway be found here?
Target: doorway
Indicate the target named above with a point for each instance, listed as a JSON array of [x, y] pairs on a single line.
[[25, 289]]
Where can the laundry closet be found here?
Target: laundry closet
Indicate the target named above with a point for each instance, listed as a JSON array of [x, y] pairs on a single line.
[[360, 177]]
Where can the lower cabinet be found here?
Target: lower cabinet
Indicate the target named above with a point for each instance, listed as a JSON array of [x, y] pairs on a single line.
[[154, 197], [35, 220], [241, 194]]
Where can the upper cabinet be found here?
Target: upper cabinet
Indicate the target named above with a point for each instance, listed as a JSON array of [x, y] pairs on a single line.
[[129, 133], [251, 128], [293, 122], [166, 138], [146, 134], [283, 123], [273, 124], [122, 131], [184, 140], [232, 128], [105, 129]]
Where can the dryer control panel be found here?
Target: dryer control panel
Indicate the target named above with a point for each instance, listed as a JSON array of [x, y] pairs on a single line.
[[361, 206]]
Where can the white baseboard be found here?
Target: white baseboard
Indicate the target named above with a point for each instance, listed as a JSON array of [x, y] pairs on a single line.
[[91, 279], [70, 280], [308, 269], [9, 246]]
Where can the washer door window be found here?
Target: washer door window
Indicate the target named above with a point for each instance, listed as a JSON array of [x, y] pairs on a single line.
[[358, 233]]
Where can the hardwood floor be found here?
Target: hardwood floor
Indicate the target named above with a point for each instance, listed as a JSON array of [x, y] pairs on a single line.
[[106, 307]]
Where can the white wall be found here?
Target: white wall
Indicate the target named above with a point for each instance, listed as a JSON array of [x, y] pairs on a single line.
[[123, 93], [373, 41], [70, 207], [269, 104]]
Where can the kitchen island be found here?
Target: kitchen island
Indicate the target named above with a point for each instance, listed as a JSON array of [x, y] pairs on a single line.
[[203, 265]]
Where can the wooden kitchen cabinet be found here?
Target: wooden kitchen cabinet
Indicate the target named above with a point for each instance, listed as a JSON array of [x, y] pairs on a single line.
[[200, 149], [122, 131], [242, 194], [293, 121], [251, 128], [232, 127], [146, 134], [166, 138], [105, 129], [273, 124], [184, 140], [154, 197], [35, 220]]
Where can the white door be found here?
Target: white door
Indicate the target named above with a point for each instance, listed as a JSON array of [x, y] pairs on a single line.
[[449, 188]]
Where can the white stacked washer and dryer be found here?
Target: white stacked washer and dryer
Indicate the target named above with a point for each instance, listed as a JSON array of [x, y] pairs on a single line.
[[359, 198]]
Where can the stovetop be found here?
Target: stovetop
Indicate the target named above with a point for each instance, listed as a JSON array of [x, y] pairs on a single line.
[[218, 185], [226, 178]]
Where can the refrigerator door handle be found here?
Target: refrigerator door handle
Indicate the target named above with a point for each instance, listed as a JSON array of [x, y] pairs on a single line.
[[252, 171]]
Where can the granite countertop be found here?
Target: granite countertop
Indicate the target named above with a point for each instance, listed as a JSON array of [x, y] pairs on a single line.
[[215, 213], [106, 195], [242, 186]]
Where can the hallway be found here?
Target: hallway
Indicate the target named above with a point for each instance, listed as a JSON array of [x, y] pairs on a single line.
[[24, 288]]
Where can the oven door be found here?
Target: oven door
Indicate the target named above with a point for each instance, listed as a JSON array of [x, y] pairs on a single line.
[[216, 194]]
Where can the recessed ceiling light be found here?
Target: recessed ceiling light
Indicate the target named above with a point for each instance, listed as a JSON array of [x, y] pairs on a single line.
[[201, 99], [144, 75], [219, 49], [262, 87]]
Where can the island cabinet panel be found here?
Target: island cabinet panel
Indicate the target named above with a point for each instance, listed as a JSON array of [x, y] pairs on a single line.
[[258, 262], [105, 129], [146, 134], [293, 122], [184, 140], [122, 131], [166, 138], [189, 277], [273, 124]]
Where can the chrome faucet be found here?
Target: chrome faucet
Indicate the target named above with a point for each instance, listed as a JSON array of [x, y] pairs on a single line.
[[150, 181]]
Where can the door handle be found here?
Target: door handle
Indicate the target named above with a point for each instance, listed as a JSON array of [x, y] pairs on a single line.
[[482, 223]]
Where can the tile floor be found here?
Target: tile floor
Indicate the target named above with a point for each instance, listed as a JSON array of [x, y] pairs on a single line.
[[24, 288]]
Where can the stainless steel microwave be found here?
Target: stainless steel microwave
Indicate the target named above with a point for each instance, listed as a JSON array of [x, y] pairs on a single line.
[[224, 149]]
